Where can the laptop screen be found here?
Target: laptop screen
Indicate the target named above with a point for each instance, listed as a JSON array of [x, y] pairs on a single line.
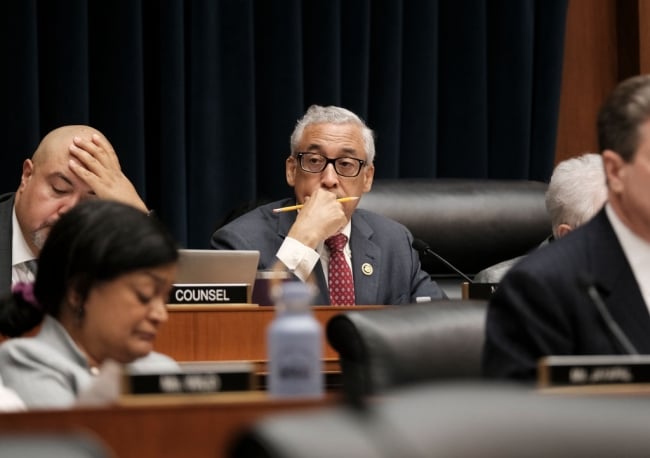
[[218, 267]]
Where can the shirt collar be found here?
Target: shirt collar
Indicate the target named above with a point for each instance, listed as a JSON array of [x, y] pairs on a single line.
[[633, 245], [636, 250], [347, 229], [20, 251]]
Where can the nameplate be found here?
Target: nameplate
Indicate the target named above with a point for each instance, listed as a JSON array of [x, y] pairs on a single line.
[[593, 370], [479, 290], [209, 294], [214, 378]]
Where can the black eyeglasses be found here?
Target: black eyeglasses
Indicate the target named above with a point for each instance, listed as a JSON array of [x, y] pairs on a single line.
[[315, 163]]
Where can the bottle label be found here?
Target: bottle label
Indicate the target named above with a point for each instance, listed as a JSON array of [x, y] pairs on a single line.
[[295, 371]]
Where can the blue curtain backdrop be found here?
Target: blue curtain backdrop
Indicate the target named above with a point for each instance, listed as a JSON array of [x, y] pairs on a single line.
[[199, 97]]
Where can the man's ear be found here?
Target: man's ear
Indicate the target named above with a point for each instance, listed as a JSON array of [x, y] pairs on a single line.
[[615, 170], [28, 172], [368, 178], [563, 229], [290, 170]]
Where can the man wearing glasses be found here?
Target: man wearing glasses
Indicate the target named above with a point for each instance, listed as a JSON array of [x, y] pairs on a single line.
[[332, 153]]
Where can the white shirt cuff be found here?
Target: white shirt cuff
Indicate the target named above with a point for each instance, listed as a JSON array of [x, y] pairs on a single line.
[[298, 258]]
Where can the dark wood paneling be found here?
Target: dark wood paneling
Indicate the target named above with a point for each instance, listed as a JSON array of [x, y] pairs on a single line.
[[590, 73], [606, 41]]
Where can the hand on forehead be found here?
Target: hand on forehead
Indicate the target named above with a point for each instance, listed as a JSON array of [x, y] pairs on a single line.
[[58, 141]]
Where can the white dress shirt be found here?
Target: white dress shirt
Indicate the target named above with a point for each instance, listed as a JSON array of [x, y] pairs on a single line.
[[20, 254], [637, 252], [301, 260]]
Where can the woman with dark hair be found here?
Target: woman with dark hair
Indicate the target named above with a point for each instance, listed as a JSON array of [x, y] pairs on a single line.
[[104, 277]]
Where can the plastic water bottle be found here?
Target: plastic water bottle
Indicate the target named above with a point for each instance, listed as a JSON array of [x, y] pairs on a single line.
[[294, 344]]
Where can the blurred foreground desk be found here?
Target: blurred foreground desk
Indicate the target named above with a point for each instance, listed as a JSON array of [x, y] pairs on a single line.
[[237, 333], [228, 333], [631, 389], [594, 374], [189, 426]]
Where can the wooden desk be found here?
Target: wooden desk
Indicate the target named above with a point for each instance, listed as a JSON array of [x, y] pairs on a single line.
[[228, 333], [235, 333], [144, 427]]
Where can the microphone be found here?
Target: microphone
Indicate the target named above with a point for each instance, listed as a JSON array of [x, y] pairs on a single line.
[[423, 247], [587, 284]]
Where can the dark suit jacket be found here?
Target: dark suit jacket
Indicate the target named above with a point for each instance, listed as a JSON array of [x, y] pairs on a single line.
[[6, 208], [542, 308], [375, 240]]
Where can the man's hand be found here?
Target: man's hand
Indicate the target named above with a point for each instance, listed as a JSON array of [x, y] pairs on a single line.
[[96, 163], [321, 217]]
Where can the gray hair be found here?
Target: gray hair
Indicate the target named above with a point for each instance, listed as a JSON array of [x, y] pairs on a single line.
[[317, 114], [620, 117], [577, 191]]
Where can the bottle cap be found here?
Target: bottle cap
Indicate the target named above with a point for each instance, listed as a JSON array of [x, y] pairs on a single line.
[[293, 294]]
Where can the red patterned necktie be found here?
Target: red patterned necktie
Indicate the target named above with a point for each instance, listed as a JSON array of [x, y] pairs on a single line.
[[339, 277]]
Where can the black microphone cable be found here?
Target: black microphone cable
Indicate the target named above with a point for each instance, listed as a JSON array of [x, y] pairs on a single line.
[[423, 247], [588, 285]]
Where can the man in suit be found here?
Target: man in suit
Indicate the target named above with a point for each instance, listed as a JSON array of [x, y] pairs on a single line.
[[71, 164], [575, 193], [332, 153], [547, 304]]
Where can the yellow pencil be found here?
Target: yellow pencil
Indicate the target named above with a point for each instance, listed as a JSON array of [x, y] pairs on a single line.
[[299, 206]]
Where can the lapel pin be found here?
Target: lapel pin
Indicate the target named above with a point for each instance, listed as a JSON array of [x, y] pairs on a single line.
[[366, 269]]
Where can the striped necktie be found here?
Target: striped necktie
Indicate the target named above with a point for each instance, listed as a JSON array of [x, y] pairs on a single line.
[[31, 266]]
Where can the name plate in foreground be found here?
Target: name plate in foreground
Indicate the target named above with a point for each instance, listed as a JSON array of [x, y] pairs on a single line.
[[209, 294], [193, 378], [593, 370]]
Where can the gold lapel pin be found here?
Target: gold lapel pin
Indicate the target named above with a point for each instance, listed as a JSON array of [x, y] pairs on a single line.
[[366, 268]]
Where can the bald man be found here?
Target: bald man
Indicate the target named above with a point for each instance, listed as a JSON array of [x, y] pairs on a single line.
[[71, 164]]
